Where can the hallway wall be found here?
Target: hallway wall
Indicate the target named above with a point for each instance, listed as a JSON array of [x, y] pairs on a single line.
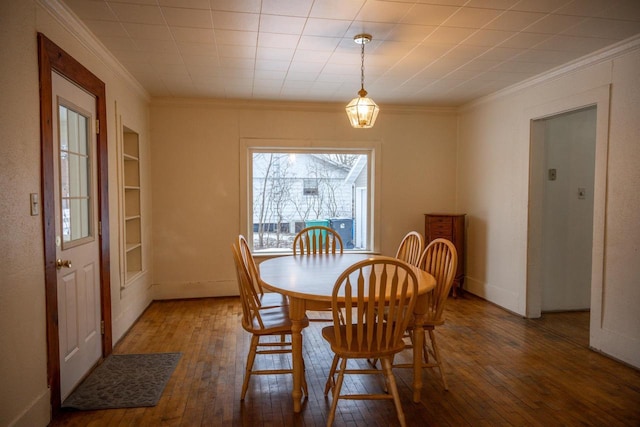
[[493, 182], [24, 392]]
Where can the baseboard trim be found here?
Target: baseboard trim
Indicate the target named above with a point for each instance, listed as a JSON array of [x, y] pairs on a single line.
[[160, 291]]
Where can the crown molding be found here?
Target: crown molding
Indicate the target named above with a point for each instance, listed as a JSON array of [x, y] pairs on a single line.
[[602, 55], [325, 107], [65, 17]]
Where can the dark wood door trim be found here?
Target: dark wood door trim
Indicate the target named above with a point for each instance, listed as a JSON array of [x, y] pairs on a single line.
[[52, 58]]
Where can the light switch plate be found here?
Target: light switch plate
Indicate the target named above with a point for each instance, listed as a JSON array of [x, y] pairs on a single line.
[[35, 204], [582, 193]]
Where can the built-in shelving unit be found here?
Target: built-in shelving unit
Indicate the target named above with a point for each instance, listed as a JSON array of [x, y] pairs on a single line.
[[132, 213]]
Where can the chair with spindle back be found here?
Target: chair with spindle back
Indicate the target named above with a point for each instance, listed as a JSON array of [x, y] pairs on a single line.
[[411, 248], [317, 239], [362, 290], [265, 299], [440, 259], [261, 323]]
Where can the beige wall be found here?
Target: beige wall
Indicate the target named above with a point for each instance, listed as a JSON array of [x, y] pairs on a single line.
[[195, 185], [23, 357], [23, 348], [196, 178], [493, 179]]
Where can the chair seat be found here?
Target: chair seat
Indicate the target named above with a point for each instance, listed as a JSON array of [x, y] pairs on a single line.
[[275, 320], [354, 350], [272, 299]]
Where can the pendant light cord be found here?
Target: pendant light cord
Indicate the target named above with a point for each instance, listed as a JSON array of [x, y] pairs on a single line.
[[362, 92], [362, 67]]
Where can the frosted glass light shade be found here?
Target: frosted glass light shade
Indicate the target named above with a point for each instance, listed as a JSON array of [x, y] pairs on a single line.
[[362, 112]]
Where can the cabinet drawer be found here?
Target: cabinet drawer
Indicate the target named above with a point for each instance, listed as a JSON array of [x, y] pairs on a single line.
[[440, 227]]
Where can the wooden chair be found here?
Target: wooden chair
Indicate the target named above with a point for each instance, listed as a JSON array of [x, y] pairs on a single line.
[[439, 259], [317, 239], [261, 323], [367, 287], [411, 248], [264, 299], [409, 251]]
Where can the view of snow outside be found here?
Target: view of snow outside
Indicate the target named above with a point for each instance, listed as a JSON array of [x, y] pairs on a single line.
[[295, 190]]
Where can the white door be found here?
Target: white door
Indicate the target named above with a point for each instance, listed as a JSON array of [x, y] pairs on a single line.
[[77, 242]]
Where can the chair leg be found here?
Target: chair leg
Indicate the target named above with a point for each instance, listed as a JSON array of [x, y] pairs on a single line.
[[436, 354], [336, 392], [330, 379], [305, 390], [425, 348], [393, 389], [255, 339]]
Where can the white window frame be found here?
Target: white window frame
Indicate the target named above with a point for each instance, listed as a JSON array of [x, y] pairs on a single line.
[[372, 148]]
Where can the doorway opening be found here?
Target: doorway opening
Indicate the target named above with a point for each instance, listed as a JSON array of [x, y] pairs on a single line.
[[562, 177], [567, 210], [567, 188]]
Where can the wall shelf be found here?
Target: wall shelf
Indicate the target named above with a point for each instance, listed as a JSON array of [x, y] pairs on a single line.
[[131, 204]]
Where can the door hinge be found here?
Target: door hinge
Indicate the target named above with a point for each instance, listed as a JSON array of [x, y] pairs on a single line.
[[97, 126], [99, 228], [102, 327]]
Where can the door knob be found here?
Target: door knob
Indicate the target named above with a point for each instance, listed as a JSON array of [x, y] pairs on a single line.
[[63, 263]]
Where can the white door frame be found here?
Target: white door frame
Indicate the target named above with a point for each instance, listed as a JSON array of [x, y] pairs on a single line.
[[598, 97]]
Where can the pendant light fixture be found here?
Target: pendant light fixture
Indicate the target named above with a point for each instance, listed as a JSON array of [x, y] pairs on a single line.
[[362, 111]]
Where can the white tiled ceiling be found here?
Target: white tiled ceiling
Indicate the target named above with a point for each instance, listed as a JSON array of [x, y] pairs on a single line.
[[430, 52]]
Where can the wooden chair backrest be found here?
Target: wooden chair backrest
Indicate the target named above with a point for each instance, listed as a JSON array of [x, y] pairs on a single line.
[[317, 239], [411, 248], [440, 259], [251, 319], [367, 288], [250, 264]]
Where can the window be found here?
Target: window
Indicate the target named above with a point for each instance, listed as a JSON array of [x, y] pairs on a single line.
[[310, 187], [75, 176], [289, 188]]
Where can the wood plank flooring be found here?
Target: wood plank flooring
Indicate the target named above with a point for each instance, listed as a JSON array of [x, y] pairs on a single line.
[[502, 371]]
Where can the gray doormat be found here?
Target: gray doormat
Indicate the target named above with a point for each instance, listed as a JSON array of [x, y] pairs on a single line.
[[124, 381]]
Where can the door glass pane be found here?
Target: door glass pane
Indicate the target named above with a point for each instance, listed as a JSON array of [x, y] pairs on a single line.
[[75, 185], [66, 225]]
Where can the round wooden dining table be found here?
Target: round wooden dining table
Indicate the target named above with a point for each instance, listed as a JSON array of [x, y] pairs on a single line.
[[308, 281]]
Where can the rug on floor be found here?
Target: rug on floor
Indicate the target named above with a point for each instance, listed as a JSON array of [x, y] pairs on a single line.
[[124, 381]]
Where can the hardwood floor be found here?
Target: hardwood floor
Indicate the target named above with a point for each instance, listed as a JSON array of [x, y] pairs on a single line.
[[502, 371]]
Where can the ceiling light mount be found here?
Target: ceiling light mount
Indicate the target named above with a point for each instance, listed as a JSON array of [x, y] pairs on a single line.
[[362, 38], [362, 111]]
